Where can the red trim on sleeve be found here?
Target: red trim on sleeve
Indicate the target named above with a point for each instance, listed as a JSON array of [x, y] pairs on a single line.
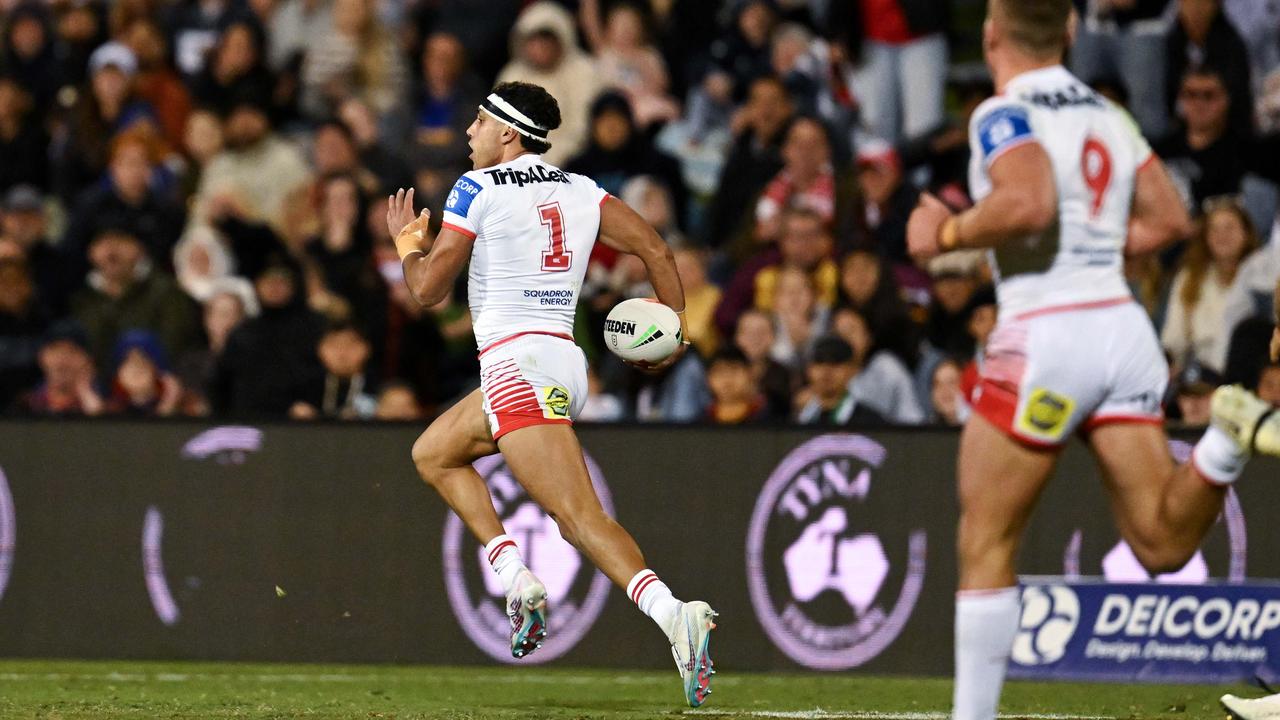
[[460, 230], [603, 199], [1148, 162], [1098, 421]]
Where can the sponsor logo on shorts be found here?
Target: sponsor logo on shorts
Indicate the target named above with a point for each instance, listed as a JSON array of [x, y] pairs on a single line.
[[829, 590], [1047, 413], [576, 590], [557, 402]]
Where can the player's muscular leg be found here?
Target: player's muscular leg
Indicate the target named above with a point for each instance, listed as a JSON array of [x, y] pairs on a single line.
[[1163, 511], [999, 482], [443, 455], [547, 461]]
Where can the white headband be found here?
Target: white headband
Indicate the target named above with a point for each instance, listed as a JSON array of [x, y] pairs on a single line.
[[507, 114]]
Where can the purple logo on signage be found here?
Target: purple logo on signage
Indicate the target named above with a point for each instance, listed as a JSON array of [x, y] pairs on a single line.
[[822, 582], [8, 532], [576, 591]]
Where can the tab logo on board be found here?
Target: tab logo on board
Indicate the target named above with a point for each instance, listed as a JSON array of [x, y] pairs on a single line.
[[830, 587]]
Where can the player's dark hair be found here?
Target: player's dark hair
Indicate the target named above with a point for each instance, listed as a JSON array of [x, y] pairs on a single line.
[[1037, 26], [536, 103]]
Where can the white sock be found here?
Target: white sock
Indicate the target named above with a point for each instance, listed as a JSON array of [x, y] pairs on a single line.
[[1218, 458], [654, 598], [986, 623], [504, 557]]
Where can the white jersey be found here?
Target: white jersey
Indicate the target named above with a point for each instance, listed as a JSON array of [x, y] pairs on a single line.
[[534, 226], [1096, 151]]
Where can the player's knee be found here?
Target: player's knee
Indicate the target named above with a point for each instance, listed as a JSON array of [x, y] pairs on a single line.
[[426, 456]]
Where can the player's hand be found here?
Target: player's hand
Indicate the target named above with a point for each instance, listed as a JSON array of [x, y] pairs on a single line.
[[404, 225], [658, 368], [922, 228]]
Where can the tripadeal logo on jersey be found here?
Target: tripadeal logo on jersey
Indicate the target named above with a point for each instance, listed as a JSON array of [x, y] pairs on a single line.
[[520, 178], [1144, 632]]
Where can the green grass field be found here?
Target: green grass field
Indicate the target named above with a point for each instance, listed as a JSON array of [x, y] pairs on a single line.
[[76, 689]]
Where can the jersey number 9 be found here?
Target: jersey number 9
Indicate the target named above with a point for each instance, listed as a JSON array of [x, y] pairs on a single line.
[[1095, 161]]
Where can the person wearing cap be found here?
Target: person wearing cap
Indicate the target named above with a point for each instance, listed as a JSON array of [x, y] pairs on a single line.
[[828, 399], [545, 52], [1193, 392], [67, 386], [124, 290], [956, 277], [24, 225], [24, 143], [104, 108], [142, 384], [888, 200]]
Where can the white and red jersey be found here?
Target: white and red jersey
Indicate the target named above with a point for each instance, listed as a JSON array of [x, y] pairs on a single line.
[[533, 227], [1096, 151]]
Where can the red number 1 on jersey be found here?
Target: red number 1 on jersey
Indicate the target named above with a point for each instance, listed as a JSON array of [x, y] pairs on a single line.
[[1095, 160], [557, 259]]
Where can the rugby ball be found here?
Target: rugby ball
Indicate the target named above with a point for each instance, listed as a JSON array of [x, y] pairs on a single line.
[[642, 330]]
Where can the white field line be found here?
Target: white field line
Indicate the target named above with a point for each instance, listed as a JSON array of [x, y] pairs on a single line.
[[872, 715]]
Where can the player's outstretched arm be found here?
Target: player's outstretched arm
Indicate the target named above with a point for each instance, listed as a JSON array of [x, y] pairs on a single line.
[[622, 229], [430, 270], [1158, 218], [1023, 201]]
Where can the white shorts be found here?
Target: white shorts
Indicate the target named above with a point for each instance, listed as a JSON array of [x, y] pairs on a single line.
[[532, 378], [1049, 372]]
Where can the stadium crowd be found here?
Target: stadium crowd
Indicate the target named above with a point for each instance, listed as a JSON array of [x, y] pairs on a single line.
[[192, 197]]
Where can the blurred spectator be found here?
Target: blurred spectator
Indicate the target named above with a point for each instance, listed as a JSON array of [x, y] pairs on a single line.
[[22, 322], [827, 398], [270, 358], [680, 395], [1259, 26], [230, 301], [397, 402], [1193, 327], [124, 291], [756, 157], [601, 406], [67, 385], [29, 54], [653, 200], [106, 107], [544, 49], [956, 277], [201, 141], [735, 398], [1268, 386], [355, 57], [889, 199], [344, 392], [1202, 37], [900, 49], [798, 318], [447, 104], [1203, 156], [807, 180], [486, 35], [1193, 388], [867, 285], [389, 167], [981, 313], [236, 68], [142, 384], [627, 60], [882, 382], [343, 253], [156, 83], [24, 144], [195, 25], [257, 171], [755, 336], [804, 65], [433, 348], [201, 261], [947, 401], [618, 151], [1250, 296], [136, 197], [943, 153], [740, 54], [806, 245], [23, 223], [701, 299], [1126, 39], [294, 26]]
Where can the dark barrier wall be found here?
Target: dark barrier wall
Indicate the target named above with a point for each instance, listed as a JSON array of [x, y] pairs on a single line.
[[319, 543]]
